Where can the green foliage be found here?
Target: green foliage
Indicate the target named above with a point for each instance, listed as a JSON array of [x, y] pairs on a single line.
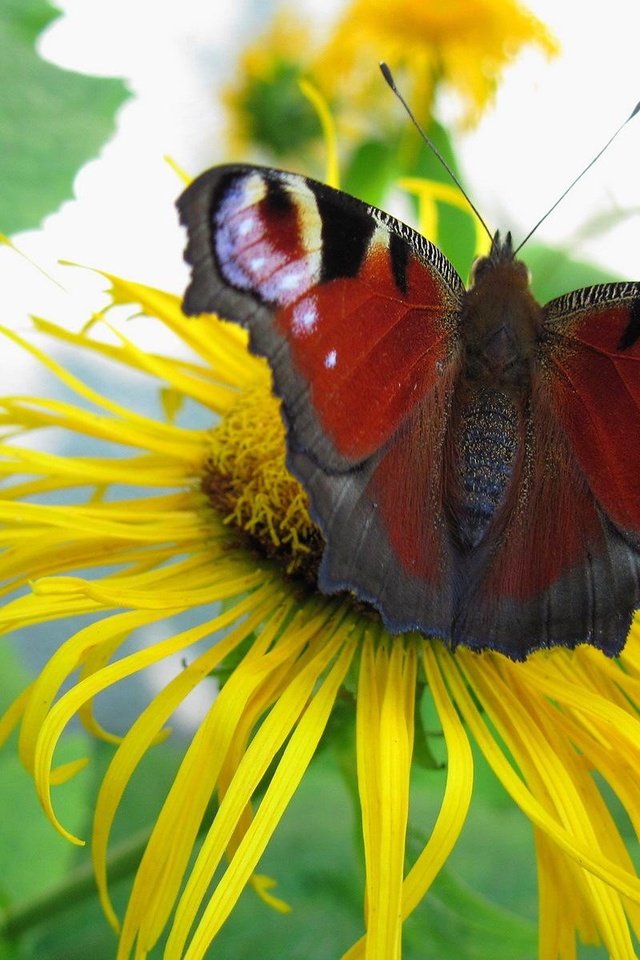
[[51, 120], [34, 856], [279, 118], [554, 272], [372, 169]]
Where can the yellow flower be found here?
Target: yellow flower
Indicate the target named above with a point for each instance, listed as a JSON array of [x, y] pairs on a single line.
[[214, 519], [462, 44]]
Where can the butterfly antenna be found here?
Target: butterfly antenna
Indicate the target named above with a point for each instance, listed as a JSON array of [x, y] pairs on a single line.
[[635, 110], [388, 76]]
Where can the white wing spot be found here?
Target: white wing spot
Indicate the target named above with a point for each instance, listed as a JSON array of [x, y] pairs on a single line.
[[290, 281], [246, 225], [256, 264], [305, 316], [293, 280], [330, 360]]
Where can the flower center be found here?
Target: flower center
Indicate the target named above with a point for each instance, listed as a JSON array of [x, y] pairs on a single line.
[[246, 480]]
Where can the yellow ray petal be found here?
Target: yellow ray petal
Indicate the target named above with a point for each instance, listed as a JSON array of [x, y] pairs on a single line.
[[455, 803], [582, 852], [223, 346], [269, 738], [384, 928], [175, 442], [173, 836], [126, 414], [144, 470], [67, 706], [431, 191], [148, 725], [367, 741], [318, 102], [294, 762], [63, 663], [13, 714], [313, 628], [457, 794]]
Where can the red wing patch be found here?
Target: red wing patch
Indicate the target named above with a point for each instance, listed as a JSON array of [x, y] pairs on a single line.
[[368, 354], [407, 488], [550, 520]]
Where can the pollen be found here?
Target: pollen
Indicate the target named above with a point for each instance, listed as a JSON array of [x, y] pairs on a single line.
[[247, 481]]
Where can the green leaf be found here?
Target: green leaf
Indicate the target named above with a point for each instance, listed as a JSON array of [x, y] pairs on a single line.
[[51, 120], [33, 853], [423, 747], [372, 170], [554, 272], [456, 919]]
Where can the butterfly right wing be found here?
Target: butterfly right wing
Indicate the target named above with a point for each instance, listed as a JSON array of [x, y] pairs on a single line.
[[566, 568]]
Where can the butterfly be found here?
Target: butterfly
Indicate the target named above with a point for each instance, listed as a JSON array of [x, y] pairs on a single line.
[[469, 455]]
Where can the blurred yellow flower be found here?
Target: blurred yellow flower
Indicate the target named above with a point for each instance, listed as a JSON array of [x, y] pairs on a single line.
[[462, 45], [194, 517]]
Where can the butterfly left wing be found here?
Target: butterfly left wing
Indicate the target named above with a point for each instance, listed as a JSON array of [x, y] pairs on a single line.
[[387, 536], [566, 567], [355, 312], [358, 317]]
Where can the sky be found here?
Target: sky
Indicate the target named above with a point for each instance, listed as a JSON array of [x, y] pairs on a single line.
[[549, 119]]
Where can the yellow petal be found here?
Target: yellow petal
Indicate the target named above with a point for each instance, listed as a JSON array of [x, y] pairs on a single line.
[[582, 852], [318, 102], [62, 711], [172, 839], [386, 696], [13, 714], [290, 713], [146, 729], [457, 794], [294, 762]]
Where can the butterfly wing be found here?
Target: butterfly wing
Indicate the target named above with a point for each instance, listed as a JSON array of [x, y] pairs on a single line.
[[565, 568], [594, 346], [355, 312], [384, 522], [358, 317]]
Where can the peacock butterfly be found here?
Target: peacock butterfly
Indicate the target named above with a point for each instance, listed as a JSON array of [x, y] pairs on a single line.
[[468, 454]]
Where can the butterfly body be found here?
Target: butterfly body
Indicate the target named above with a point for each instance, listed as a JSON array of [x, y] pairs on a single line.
[[468, 454], [500, 323]]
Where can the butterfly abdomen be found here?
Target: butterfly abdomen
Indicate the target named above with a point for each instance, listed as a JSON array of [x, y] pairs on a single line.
[[500, 321], [483, 449]]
